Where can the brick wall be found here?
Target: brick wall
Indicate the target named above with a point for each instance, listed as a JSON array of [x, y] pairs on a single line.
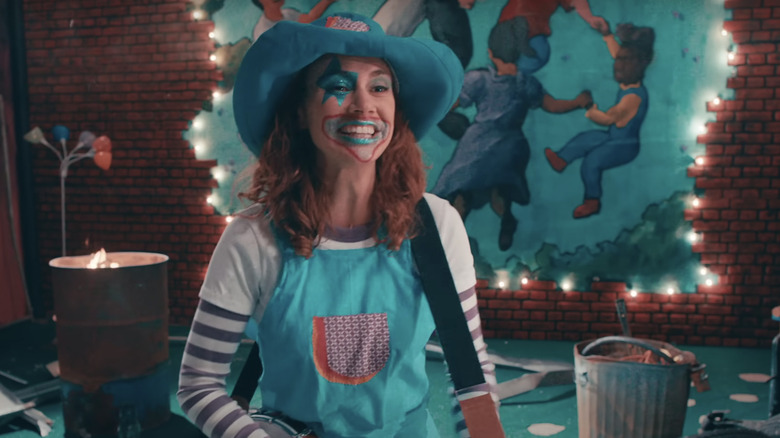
[[138, 72], [737, 216], [141, 73]]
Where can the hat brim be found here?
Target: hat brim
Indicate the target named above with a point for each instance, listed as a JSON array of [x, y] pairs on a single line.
[[429, 74]]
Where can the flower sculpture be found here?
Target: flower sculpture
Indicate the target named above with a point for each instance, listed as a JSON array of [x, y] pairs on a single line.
[[88, 146]]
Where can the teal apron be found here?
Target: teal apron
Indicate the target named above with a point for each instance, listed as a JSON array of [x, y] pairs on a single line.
[[347, 331]]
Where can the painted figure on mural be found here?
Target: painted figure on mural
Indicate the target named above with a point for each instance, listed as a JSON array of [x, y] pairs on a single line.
[[448, 22], [490, 160], [536, 15], [274, 12], [601, 150]]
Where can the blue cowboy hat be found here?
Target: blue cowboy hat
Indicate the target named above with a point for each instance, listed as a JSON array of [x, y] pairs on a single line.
[[428, 73]]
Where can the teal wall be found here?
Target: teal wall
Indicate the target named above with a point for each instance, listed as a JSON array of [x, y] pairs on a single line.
[[639, 236]]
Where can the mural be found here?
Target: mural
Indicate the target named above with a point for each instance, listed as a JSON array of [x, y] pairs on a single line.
[[567, 152]]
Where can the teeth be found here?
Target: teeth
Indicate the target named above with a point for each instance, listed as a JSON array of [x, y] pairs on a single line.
[[359, 129]]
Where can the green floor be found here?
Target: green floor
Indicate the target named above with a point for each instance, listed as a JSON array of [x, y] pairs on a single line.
[[26, 348]]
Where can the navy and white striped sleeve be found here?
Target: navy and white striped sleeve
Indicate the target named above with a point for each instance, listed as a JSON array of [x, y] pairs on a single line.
[[211, 345]]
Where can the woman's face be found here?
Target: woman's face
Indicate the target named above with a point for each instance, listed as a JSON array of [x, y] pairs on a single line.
[[349, 109]]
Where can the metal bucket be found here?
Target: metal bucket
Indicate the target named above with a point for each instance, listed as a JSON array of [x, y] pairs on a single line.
[[620, 398], [112, 343]]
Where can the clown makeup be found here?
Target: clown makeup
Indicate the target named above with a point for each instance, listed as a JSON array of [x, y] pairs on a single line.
[[350, 108]]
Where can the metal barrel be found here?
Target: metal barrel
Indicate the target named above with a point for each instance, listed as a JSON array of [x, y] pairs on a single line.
[[112, 343], [629, 399]]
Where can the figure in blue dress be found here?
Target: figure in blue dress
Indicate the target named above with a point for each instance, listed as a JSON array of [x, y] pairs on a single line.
[[489, 163], [601, 150]]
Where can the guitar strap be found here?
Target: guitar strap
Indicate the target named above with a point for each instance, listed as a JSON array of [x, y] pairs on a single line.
[[452, 328], [465, 370]]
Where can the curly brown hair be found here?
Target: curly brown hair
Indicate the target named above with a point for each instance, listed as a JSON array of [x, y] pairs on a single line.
[[287, 183]]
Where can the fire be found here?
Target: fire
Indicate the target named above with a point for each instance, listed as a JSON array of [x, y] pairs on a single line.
[[99, 260]]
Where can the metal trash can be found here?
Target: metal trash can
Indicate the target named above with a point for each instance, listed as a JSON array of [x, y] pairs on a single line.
[[112, 343], [618, 396]]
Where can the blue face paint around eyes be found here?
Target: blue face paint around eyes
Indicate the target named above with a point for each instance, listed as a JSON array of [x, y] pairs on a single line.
[[333, 80]]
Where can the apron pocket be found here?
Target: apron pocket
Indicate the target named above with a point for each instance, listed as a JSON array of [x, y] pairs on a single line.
[[351, 349]]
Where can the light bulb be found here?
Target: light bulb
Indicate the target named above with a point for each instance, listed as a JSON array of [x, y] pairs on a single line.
[[693, 237], [695, 202], [213, 57], [212, 35], [724, 32], [716, 101], [217, 95], [210, 200], [501, 284], [633, 293], [198, 14], [699, 161], [670, 290], [708, 282], [198, 147], [228, 219], [197, 124], [702, 271], [524, 280], [731, 56], [566, 285]]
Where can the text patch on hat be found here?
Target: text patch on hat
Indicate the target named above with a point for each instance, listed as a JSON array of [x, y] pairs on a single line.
[[344, 23]]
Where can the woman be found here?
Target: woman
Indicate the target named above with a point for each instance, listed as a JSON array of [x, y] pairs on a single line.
[[320, 265]]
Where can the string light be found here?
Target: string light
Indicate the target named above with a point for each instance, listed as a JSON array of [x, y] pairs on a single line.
[[708, 282], [524, 280], [716, 101], [219, 173], [198, 147], [695, 202], [724, 32], [228, 219], [670, 290], [198, 14], [212, 35], [699, 161], [197, 124], [703, 271], [501, 284], [693, 237], [217, 95], [210, 200], [703, 129], [633, 293], [566, 285], [213, 57], [731, 56]]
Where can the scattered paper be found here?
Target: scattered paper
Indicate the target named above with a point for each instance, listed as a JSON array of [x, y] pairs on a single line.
[[755, 377], [744, 398], [54, 368], [545, 429]]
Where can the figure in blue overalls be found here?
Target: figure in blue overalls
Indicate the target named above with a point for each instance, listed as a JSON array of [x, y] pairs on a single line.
[[601, 150]]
